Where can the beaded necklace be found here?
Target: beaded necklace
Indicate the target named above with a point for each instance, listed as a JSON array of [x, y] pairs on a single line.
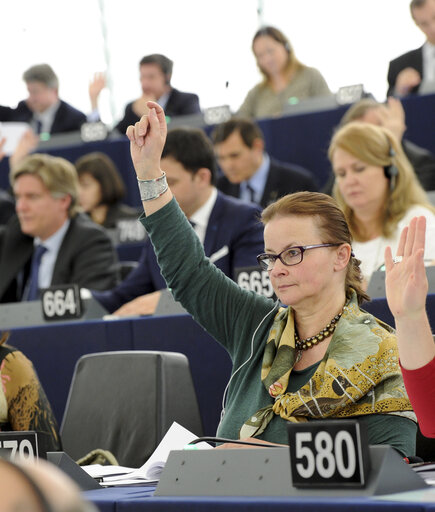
[[312, 341]]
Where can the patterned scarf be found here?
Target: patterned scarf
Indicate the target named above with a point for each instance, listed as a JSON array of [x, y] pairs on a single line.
[[359, 373]]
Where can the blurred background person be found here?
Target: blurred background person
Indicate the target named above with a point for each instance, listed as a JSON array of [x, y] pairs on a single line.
[[249, 173], [378, 191], [43, 109], [27, 486], [391, 115], [284, 76], [414, 71], [28, 142], [101, 190], [23, 403], [228, 228], [155, 72], [49, 241]]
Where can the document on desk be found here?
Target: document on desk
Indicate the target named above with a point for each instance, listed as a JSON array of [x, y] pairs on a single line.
[[176, 438], [12, 132]]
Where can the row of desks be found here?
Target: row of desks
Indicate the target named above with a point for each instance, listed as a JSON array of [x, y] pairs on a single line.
[[299, 138]]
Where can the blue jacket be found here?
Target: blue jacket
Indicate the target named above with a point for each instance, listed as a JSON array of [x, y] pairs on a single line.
[[233, 223]]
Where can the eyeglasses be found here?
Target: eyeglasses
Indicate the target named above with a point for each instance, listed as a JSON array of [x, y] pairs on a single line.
[[292, 256]]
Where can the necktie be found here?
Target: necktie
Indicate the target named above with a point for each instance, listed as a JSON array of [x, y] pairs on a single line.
[[32, 289], [251, 192], [38, 127]]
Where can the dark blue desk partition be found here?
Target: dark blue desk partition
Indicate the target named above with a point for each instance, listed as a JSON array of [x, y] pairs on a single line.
[[300, 138], [55, 348], [138, 499], [379, 308]]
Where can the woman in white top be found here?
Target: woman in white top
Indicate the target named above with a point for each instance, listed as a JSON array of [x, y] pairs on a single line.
[[377, 189]]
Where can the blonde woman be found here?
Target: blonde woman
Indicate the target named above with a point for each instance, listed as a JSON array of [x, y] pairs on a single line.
[[285, 78], [376, 187]]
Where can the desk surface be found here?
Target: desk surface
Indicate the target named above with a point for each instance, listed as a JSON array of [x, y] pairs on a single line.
[[139, 499]]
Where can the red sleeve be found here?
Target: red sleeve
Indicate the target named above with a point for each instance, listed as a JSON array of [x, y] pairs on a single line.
[[420, 385]]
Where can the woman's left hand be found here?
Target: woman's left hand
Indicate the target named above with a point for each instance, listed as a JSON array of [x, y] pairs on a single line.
[[406, 283]]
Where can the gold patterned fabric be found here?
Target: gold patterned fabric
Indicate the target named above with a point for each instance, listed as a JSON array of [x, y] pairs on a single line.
[[23, 403], [359, 373]]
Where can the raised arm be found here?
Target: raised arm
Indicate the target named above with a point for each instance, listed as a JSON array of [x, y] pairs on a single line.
[[147, 138], [406, 288]]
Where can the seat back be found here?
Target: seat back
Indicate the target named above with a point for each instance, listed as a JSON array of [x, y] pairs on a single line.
[[126, 401]]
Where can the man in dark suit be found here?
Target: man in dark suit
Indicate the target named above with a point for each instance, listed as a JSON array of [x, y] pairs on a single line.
[[155, 79], [249, 172], [229, 229], [414, 71], [43, 109], [49, 242]]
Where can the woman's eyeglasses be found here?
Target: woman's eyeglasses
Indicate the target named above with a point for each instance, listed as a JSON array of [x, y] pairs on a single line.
[[292, 256]]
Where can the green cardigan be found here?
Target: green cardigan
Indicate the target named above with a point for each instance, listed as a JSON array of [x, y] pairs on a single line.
[[240, 321]]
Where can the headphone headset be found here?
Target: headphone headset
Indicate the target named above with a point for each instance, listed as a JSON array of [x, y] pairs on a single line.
[[391, 171]]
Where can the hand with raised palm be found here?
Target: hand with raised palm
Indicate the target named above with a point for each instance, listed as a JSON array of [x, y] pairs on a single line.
[[405, 276]]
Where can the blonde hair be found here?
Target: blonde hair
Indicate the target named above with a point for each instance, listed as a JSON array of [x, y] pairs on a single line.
[[330, 221], [376, 145], [57, 174]]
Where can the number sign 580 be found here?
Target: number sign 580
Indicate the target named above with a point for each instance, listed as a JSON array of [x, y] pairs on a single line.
[[327, 453]]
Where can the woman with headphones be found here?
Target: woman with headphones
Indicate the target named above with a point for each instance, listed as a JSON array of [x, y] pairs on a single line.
[[376, 187], [286, 80]]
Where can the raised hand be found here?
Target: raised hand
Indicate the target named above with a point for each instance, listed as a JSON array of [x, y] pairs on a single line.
[[95, 87], [406, 80], [147, 138], [406, 283], [392, 116]]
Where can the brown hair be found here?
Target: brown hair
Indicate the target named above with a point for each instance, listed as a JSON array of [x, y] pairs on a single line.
[[376, 145], [102, 168], [57, 174], [416, 4], [358, 110], [247, 128], [293, 63], [331, 223]]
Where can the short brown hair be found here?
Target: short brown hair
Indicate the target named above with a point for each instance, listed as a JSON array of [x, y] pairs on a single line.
[[102, 168], [57, 174], [248, 130], [331, 223], [358, 110], [416, 4]]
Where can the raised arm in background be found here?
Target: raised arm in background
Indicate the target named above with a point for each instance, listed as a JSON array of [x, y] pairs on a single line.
[[406, 288]]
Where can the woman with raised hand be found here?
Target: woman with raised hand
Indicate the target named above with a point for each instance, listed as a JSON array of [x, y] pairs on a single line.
[[406, 287], [320, 357]]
